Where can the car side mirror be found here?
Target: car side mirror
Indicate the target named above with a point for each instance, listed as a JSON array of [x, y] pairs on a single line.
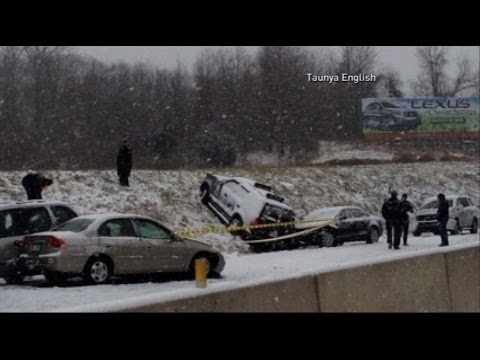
[[343, 217]]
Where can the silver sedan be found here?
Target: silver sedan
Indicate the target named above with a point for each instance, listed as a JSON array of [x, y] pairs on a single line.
[[99, 246]]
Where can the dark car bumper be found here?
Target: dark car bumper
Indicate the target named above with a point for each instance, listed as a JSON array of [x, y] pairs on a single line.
[[428, 226]]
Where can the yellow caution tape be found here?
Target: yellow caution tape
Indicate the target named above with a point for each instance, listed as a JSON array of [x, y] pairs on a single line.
[[250, 227]]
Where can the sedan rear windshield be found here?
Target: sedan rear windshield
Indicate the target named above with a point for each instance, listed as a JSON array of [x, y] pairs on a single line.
[[76, 225]]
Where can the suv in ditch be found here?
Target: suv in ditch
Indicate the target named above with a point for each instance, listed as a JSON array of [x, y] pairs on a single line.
[[463, 215], [238, 201], [18, 219]]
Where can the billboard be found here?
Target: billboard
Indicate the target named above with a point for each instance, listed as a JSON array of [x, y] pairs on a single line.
[[401, 118]]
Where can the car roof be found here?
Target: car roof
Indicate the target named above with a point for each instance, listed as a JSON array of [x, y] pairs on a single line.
[[5, 205], [108, 216], [448, 197], [328, 211]]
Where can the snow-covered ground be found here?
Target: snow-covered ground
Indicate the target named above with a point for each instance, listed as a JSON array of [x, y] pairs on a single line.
[[240, 270]]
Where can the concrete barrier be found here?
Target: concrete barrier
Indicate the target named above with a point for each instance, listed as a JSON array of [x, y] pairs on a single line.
[[416, 284], [441, 282], [463, 269], [294, 295]]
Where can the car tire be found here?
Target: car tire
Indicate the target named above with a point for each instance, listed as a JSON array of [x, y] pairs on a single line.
[[372, 236], [14, 278], [474, 228], [97, 270], [457, 230], [417, 233], [55, 278], [237, 221], [328, 239]]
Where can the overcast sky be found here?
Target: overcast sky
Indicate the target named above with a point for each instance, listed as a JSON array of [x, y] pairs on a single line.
[[401, 58]]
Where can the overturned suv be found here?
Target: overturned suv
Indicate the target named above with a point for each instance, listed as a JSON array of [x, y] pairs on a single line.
[[238, 201], [18, 219]]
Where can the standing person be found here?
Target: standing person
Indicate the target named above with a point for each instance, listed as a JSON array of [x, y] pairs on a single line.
[[391, 214], [124, 161], [442, 217], [34, 184], [405, 207]]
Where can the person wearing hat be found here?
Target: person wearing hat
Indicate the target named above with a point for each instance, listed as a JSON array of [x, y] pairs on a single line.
[[442, 218], [391, 214], [405, 207]]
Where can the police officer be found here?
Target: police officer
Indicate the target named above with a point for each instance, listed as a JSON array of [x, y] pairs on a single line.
[[391, 214], [405, 207], [442, 218]]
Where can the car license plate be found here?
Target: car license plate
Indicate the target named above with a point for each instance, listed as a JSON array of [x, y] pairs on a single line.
[[31, 263], [36, 247]]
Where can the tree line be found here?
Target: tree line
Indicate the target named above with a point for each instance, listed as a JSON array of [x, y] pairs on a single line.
[[59, 109]]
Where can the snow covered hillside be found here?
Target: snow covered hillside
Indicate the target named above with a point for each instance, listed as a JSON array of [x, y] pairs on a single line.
[[172, 196]]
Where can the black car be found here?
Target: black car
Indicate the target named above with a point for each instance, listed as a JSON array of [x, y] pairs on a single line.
[[350, 224]]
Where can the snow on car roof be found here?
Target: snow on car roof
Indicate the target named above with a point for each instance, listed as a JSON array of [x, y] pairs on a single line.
[[448, 197], [110, 216], [13, 204], [325, 213]]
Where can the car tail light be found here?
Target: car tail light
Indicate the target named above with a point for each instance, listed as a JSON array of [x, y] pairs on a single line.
[[55, 242], [256, 222]]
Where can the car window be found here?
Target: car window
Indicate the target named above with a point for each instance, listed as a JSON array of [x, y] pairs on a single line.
[[151, 230], [63, 213], [356, 213], [232, 187], [74, 225], [463, 202], [345, 213], [24, 221], [117, 228], [372, 106], [434, 204]]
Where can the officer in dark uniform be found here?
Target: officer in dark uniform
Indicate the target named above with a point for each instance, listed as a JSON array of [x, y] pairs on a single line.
[[391, 214], [405, 207], [124, 161], [442, 218]]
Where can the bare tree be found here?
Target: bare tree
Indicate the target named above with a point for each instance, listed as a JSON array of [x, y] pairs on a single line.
[[389, 84], [433, 79]]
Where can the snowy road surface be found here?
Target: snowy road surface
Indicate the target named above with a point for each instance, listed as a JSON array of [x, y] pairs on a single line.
[[240, 270]]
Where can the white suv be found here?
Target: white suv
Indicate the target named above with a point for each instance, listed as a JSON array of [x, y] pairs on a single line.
[[462, 211], [18, 219], [238, 201]]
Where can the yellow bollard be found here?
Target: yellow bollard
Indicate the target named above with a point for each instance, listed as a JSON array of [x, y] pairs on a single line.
[[201, 271]]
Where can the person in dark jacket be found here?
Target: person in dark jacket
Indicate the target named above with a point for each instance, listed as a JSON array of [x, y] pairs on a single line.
[[34, 184], [124, 162], [391, 214], [442, 218], [405, 207]]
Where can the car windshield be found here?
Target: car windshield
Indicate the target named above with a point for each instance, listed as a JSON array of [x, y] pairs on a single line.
[[76, 225], [434, 204]]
